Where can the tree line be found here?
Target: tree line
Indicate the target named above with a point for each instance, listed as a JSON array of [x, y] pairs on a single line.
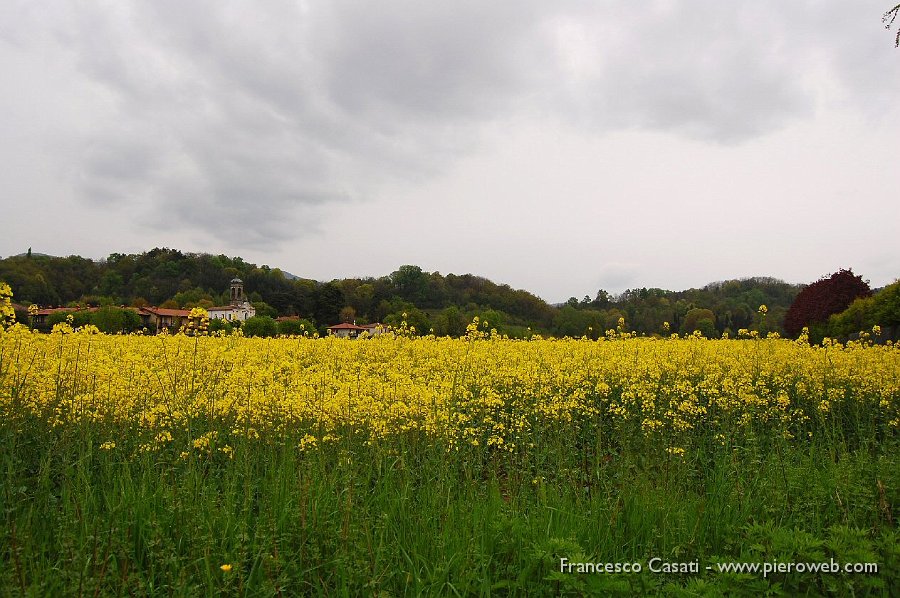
[[428, 302]]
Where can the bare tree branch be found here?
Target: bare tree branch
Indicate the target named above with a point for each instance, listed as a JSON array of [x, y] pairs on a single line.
[[888, 20]]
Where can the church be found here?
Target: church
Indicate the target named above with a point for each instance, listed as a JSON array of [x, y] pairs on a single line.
[[240, 309]]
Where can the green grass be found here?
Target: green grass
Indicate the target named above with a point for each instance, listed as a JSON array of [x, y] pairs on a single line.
[[407, 517]]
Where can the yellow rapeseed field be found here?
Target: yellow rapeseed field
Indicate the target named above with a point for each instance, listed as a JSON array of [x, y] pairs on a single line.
[[480, 391]]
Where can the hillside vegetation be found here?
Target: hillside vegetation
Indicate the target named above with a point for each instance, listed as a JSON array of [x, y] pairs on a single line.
[[427, 301]]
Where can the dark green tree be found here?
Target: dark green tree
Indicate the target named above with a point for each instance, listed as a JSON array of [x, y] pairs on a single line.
[[700, 319], [410, 283], [112, 320], [451, 322], [328, 300], [260, 326], [264, 309], [298, 327]]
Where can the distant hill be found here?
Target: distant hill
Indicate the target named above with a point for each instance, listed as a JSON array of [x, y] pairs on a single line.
[[171, 277], [426, 300]]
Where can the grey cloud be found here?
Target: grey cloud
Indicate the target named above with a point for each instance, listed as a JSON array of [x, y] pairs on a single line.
[[247, 116], [425, 60], [711, 70]]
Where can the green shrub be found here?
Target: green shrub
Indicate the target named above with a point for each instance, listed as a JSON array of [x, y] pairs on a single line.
[[260, 326]]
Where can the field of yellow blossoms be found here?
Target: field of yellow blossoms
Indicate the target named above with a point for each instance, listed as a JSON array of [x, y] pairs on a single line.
[[483, 391], [194, 463]]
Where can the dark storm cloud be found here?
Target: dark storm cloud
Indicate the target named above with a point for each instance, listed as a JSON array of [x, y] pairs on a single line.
[[244, 116]]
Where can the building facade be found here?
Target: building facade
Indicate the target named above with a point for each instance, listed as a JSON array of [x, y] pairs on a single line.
[[157, 318], [347, 330], [238, 310]]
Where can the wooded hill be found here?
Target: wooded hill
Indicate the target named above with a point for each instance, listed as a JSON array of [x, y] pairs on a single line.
[[430, 300]]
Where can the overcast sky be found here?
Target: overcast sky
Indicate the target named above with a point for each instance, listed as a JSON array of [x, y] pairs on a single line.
[[559, 147]]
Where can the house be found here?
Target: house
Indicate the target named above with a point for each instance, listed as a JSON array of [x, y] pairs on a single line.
[[238, 310], [231, 313], [345, 330], [157, 318], [152, 318], [374, 329], [41, 315]]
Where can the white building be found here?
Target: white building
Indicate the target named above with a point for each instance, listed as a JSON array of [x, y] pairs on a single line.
[[346, 330], [239, 309]]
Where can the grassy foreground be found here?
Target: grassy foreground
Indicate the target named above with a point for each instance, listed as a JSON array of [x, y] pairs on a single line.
[[394, 466]]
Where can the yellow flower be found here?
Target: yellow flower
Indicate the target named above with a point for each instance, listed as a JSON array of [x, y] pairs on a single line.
[[467, 394], [7, 313], [226, 567]]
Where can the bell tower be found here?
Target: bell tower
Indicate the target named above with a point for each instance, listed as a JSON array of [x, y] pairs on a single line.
[[237, 292]]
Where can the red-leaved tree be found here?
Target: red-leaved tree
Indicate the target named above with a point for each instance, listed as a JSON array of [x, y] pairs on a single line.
[[822, 298]]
